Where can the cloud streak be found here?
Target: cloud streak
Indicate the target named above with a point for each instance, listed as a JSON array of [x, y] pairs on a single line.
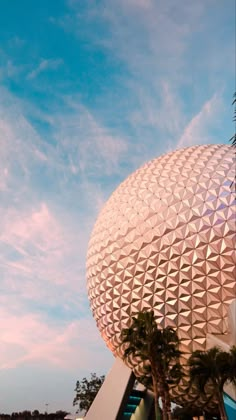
[[152, 37], [45, 65], [91, 147], [158, 43], [197, 130], [43, 244], [28, 338]]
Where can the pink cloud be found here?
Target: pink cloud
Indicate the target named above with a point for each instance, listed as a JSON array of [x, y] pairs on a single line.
[[26, 338], [37, 236], [40, 260], [197, 130], [41, 264], [34, 226]]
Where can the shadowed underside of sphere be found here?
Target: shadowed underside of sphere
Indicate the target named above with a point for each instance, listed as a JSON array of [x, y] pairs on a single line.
[[165, 241]]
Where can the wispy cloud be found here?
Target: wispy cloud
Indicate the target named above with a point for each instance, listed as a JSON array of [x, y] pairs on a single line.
[[150, 36], [80, 145], [160, 110], [44, 65], [9, 69], [16, 42], [134, 78], [158, 43], [92, 148], [27, 338], [197, 130], [32, 240], [44, 234]]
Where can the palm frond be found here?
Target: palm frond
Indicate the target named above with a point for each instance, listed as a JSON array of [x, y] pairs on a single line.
[[233, 138]]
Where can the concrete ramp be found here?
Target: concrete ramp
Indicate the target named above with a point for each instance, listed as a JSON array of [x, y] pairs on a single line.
[[118, 400]]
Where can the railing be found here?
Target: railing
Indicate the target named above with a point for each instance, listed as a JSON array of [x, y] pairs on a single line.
[[133, 402]]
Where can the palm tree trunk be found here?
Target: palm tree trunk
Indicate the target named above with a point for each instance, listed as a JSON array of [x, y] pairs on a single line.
[[168, 404], [156, 398], [221, 406], [164, 416], [163, 400]]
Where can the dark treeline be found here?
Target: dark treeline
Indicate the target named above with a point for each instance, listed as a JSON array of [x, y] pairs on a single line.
[[34, 415]]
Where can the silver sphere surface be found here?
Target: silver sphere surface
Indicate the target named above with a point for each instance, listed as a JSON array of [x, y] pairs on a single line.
[[165, 240]]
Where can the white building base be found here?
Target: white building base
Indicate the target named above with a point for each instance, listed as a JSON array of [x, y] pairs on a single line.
[[112, 398]]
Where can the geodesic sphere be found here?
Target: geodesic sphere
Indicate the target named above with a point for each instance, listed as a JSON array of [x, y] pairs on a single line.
[[165, 241]]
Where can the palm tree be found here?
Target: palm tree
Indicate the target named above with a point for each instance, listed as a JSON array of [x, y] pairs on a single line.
[[140, 338], [213, 368], [168, 365], [158, 350], [232, 365], [233, 138]]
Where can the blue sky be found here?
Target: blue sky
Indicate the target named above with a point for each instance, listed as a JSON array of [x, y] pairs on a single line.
[[89, 91]]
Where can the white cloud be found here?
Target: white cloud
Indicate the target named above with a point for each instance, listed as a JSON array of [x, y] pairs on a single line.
[[36, 237], [161, 110], [197, 130], [81, 147], [168, 69], [28, 338], [10, 70], [92, 149], [151, 37], [46, 212], [54, 181], [44, 65], [42, 259]]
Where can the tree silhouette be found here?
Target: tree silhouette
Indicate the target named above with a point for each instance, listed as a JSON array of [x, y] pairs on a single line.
[[211, 370], [233, 138], [158, 349], [86, 390]]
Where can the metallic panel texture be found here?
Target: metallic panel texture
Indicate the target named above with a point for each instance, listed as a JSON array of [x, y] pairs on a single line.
[[165, 240]]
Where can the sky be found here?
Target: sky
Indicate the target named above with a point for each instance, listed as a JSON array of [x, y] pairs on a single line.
[[89, 91]]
